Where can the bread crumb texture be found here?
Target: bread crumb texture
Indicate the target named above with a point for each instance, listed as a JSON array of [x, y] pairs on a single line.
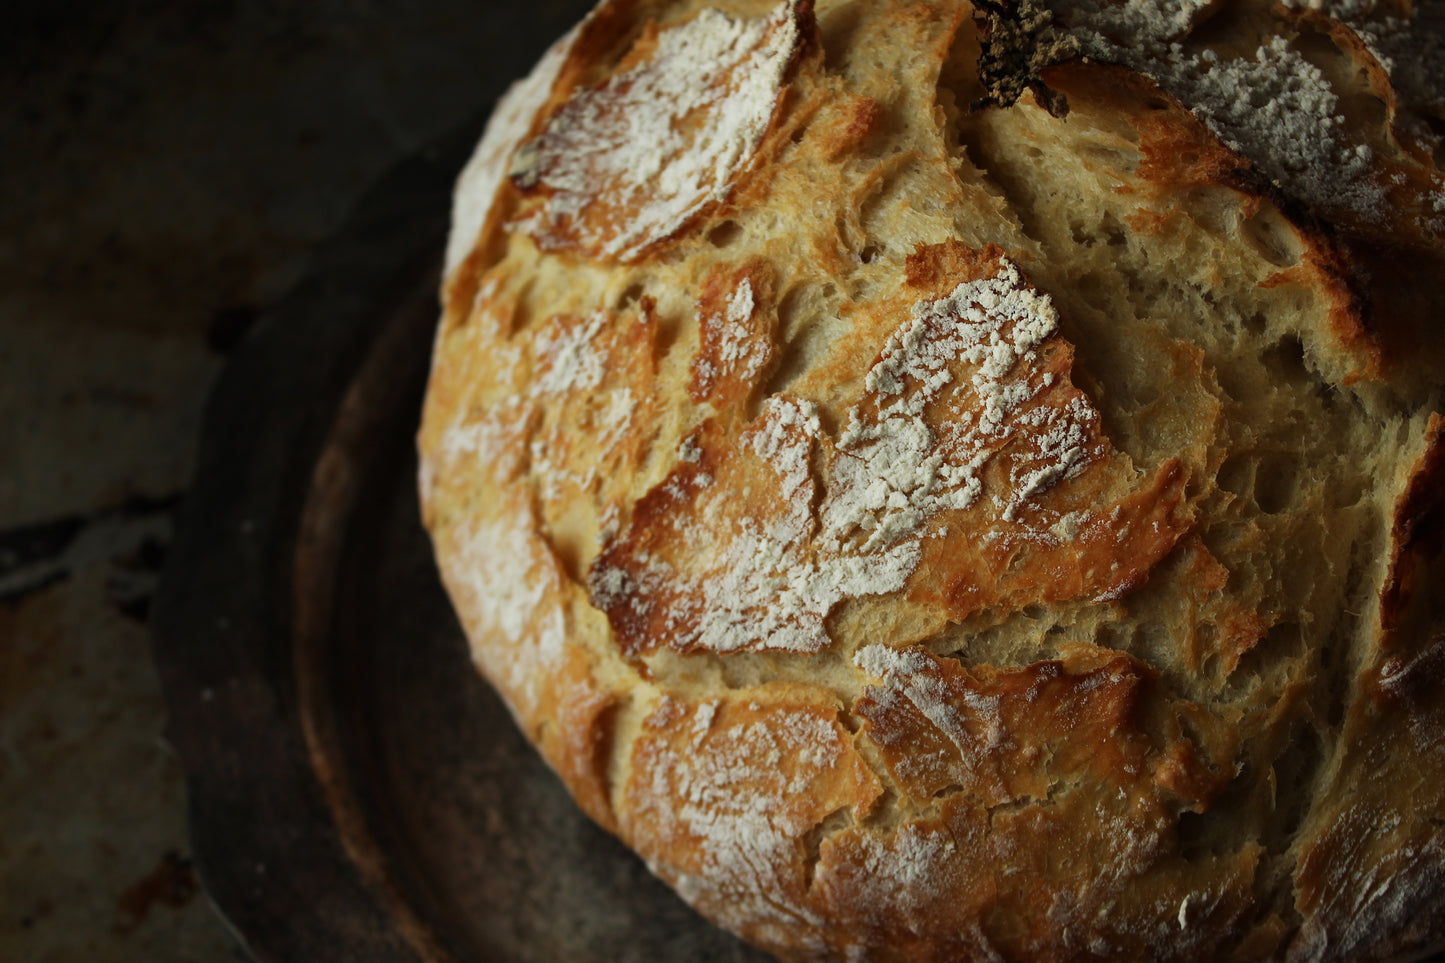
[[951, 482]]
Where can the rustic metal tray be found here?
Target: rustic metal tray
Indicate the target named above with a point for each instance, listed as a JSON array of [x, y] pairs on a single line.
[[356, 790]]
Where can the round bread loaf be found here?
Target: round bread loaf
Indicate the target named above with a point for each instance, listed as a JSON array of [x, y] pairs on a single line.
[[964, 482]]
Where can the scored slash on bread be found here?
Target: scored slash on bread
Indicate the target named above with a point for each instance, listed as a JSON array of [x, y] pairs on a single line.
[[947, 482]]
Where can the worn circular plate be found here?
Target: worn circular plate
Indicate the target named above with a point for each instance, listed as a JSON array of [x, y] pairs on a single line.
[[356, 790]]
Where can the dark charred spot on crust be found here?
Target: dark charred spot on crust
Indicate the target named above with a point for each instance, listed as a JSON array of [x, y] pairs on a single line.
[[1360, 311], [1016, 50], [1413, 680], [810, 41]]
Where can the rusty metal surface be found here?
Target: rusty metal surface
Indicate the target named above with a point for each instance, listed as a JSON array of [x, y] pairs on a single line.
[[357, 792], [171, 168]]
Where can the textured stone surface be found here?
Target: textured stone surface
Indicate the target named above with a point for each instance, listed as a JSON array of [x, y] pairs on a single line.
[[170, 168]]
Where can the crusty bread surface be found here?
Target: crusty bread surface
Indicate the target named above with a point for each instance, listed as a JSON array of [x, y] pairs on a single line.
[[949, 482]]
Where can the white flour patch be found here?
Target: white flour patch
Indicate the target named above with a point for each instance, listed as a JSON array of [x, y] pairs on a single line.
[[488, 445], [659, 141], [741, 791], [895, 471], [909, 868], [1274, 107], [568, 358], [507, 592], [911, 675], [738, 350], [771, 591], [688, 451]]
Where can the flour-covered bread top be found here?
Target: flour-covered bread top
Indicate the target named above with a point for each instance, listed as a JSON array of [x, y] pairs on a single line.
[[950, 482]]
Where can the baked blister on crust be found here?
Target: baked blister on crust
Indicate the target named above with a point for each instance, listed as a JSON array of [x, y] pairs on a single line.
[[965, 483]]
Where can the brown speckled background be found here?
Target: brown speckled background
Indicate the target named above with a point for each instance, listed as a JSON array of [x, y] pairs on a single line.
[[167, 169]]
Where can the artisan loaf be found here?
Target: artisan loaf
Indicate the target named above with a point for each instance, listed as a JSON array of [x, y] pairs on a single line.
[[950, 481]]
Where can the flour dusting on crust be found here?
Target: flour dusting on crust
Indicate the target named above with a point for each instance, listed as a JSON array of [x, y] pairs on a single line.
[[568, 357], [1278, 100], [735, 345], [510, 587], [626, 164], [961, 382], [738, 786], [1274, 105], [897, 470], [751, 580], [487, 169]]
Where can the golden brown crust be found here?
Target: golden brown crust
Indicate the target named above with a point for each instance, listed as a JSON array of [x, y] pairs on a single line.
[[937, 502]]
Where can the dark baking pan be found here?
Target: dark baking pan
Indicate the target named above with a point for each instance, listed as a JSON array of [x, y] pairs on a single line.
[[356, 791]]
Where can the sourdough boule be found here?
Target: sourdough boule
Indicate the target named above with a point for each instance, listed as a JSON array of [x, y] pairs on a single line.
[[964, 482]]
